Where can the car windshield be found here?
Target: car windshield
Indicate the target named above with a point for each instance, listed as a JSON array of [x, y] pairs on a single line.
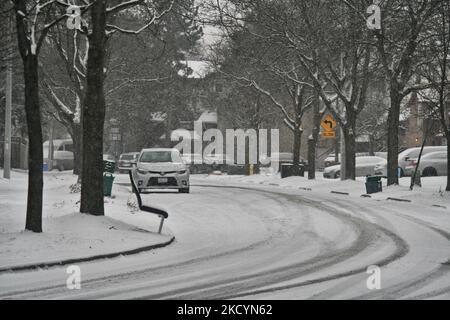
[[160, 157], [127, 157]]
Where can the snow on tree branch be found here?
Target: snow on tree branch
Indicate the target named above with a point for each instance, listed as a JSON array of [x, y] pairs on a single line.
[[113, 28]]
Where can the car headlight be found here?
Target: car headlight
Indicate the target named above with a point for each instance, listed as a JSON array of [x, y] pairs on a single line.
[[182, 171], [140, 171]]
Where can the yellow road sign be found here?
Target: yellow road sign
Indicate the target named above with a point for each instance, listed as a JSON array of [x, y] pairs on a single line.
[[328, 123], [329, 134]]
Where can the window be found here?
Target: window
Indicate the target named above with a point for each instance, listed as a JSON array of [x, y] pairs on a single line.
[[69, 147], [414, 154]]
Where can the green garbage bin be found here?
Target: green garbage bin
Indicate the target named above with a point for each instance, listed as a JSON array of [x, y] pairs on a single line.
[[373, 184], [108, 180]]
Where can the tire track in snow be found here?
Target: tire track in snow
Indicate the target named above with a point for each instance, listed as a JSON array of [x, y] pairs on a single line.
[[231, 287], [409, 286], [243, 287], [142, 273]]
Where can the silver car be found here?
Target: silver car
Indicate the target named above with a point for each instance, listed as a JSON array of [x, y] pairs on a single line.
[[405, 160], [127, 161], [161, 169], [364, 166], [432, 164]]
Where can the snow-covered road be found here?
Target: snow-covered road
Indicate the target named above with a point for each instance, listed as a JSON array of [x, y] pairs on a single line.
[[262, 242]]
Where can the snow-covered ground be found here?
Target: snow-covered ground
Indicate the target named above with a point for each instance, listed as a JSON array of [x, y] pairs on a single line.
[[431, 193], [261, 237], [67, 233]]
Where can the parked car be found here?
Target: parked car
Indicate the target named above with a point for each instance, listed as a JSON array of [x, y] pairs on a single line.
[[63, 158], [127, 161], [406, 158], [431, 165], [161, 169], [331, 160], [364, 166]]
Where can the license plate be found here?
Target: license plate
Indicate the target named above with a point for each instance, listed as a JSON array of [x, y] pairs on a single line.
[[162, 180]]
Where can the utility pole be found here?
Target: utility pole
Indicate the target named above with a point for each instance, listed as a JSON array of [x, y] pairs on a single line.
[[7, 148]]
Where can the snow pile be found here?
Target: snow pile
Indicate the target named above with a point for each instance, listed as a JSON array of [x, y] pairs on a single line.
[[431, 193], [67, 233], [72, 236]]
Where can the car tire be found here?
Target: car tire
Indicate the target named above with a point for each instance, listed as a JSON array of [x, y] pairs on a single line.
[[184, 190], [337, 175], [60, 167], [429, 172]]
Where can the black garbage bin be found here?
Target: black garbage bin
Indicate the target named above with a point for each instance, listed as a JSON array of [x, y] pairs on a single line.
[[373, 184], [288, 170], [109, 166]]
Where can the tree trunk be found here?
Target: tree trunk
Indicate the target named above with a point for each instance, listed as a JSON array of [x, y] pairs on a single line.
[[94, 115], [35, 151], [350, 151], [393, 145], [371, 145], [448, 160], [311, 159], [297, 145], [312, 145], [77, 149], [33, 116]]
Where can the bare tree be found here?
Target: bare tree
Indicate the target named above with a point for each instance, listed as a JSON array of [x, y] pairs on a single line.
[[33, 22], [436, 71], [402, 34], [98, 33], [64, 81], [339, 64]]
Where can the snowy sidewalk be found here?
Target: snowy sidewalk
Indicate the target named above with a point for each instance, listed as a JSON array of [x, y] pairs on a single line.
[[69, 236], [431, 194]]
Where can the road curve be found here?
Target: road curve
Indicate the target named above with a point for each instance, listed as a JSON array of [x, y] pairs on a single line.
[[264, 243]]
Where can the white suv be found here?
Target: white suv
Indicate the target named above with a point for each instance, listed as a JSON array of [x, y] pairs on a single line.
[[161, 169]]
